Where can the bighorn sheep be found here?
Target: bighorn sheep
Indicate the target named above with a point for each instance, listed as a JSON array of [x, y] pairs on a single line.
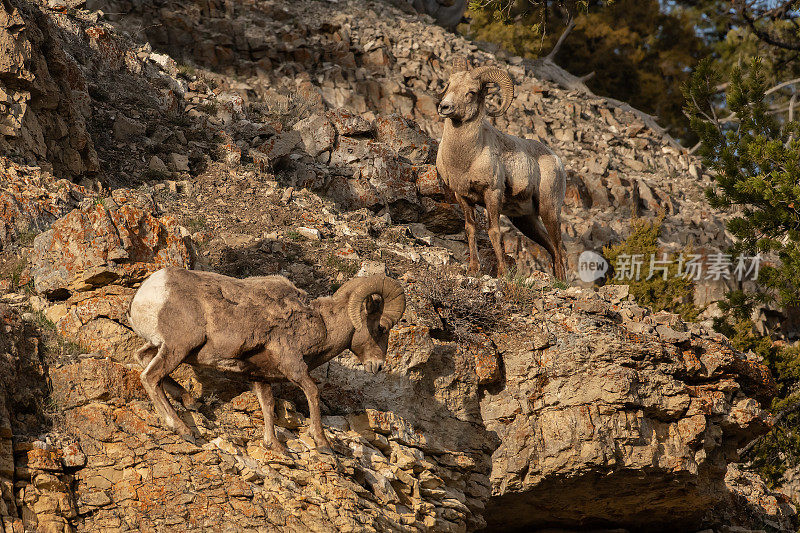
[[261, 327], [520, 178]]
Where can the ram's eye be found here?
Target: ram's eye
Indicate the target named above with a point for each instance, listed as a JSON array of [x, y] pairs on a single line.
[[471, 94]]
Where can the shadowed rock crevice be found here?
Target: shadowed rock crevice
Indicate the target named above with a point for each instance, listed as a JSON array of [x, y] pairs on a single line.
[[629, 499]]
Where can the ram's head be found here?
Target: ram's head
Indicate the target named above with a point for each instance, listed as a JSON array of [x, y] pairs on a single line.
[[375, 305], [465, 93]]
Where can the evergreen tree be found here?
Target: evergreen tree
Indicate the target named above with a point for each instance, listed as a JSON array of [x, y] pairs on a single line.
[[755, 159]]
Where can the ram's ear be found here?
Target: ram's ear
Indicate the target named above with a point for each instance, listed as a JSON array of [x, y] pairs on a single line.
[[374, 304]]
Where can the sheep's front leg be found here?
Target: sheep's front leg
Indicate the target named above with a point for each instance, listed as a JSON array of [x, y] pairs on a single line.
[[296, 371], [264, 394], [469, 227], [312, 395], [493, 207]]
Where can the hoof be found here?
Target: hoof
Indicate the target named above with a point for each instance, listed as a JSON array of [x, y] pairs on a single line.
[[181, 429], [277, 448]]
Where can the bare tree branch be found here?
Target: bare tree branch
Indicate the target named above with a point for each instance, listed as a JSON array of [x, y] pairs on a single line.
[[766, 36], [781, 86], [724, 86], [557, 47], [780, 12]]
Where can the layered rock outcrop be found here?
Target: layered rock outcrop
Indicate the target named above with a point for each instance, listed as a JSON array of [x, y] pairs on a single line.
[[138, 475], [90, 260], [604, 416], [44, 99], [31, 200], [609, 412]]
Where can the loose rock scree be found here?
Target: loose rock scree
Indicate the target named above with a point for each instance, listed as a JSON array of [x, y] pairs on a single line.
[[263, 328], [520, 178]]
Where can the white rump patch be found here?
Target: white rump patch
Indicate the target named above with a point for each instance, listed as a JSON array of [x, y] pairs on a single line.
[[146, 306]]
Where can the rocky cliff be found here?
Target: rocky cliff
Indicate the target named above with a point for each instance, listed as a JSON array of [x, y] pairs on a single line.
[[231, 75], [256, 138]]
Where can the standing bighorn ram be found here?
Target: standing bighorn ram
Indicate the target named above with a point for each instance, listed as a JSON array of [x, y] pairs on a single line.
[[263, 328], [520, 178]]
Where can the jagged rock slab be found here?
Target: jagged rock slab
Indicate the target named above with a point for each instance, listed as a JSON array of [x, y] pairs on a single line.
[[117, 240], [43, 94], [31, 200]]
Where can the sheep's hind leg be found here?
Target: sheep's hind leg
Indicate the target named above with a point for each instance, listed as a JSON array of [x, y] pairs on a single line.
[[264, 394], [532, 227], [170, 385], [164, 362], [552, 221]]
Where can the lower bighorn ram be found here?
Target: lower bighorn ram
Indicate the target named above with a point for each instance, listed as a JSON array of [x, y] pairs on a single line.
[[263, 328], [520, 178]]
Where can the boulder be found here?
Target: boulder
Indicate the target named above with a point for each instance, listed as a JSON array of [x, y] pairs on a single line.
[[91, 380], [581, 417], [104, 242], [597, 191], [178, 162], [430, 183], [126, 128], [350, 124], [380, 179], [280, 145], [406, 138], [93, 257], [318, 135]]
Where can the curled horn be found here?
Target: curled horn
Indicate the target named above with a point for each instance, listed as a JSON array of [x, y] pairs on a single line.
[[503, 79], [390, 291], [460, 63]]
